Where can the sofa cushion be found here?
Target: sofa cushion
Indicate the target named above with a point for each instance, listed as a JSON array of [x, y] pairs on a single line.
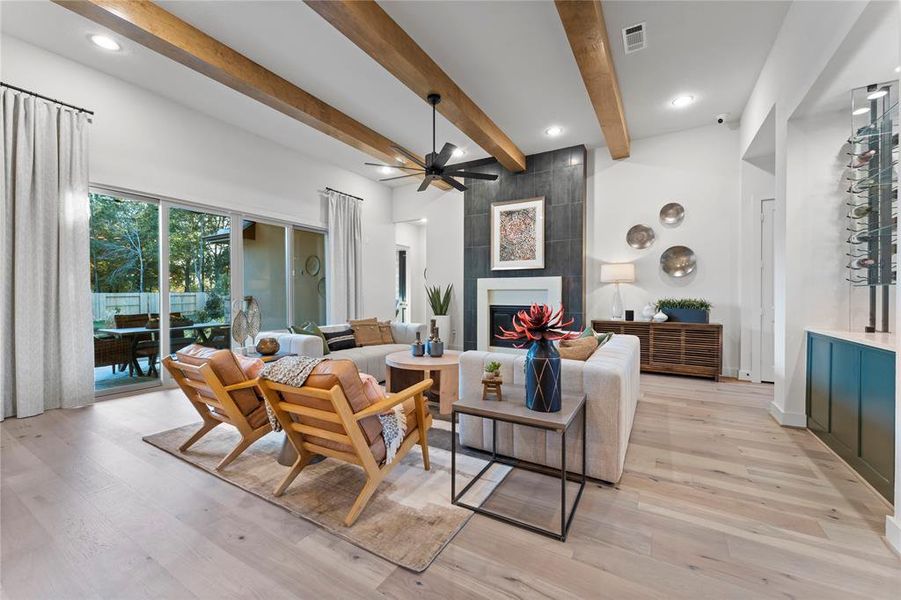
[[230, 369], [366, 332], [578, 349], [342, 339], [386, 332]]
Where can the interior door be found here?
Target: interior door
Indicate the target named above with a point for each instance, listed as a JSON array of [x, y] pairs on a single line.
[[767, 298]]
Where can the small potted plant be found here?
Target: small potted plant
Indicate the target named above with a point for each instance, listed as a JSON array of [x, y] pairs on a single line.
[[439, 302], [492, 370], [685, 310]]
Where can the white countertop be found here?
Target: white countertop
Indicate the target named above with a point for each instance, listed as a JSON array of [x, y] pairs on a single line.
[[883, 341]]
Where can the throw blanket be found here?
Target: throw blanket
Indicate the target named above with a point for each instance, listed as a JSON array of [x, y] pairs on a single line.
[[394, 429], [290, 370]]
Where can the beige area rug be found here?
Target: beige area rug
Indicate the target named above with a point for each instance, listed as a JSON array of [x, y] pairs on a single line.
[[408, 520]]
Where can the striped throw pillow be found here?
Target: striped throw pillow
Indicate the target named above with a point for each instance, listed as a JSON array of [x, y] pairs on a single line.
[[340, 340]]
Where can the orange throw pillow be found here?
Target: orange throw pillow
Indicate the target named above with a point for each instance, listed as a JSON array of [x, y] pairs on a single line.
[[371, 388], [366, 332], [578, 349]]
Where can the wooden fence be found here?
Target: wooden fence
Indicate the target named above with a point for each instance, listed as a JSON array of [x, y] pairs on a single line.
[[107, 305]]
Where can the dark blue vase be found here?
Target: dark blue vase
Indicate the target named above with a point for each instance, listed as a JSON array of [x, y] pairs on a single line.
[[543, 377]]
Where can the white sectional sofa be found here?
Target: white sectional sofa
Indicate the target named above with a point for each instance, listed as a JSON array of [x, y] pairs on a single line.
[[369, 359], [610, 380]]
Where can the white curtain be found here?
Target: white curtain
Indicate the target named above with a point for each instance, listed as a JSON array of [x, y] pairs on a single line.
[[344, 286], [46, 331]]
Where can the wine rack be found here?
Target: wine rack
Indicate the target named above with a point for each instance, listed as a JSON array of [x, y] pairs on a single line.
[[872, 217]]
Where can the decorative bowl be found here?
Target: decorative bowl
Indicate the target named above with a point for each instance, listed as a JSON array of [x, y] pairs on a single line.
[[268, 346]]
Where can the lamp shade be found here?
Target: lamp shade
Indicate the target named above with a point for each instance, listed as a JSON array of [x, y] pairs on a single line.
[[618, 273]]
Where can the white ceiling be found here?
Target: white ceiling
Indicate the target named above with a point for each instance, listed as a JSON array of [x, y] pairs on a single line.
[[511, 57]]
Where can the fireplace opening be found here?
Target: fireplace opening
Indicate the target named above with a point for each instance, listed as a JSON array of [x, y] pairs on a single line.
[[501, 315]]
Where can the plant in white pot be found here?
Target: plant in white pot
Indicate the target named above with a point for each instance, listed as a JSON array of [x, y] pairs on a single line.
[[439, 301]]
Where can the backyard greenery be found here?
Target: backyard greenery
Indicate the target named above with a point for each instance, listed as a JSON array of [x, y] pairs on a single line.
[[125, 252]]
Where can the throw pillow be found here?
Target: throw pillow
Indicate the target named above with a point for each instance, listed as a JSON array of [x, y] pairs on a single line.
[[387, 334], [579, 348], [340, 340], [603, 338], [371, 388], [310, 328], [366, 332]]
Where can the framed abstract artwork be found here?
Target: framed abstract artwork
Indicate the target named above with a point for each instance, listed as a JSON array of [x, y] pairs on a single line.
[[517, 234]]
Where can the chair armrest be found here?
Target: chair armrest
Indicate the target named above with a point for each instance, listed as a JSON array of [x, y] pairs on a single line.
[[243, 385], [394, 399]]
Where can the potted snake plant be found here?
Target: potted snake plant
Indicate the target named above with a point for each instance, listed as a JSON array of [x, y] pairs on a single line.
[[439, 302]]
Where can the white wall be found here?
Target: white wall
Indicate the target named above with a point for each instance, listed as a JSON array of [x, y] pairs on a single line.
[[143, 142], [443, 212], [697, 168]]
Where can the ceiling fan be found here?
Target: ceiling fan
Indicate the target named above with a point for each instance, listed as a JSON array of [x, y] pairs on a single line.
[[435, 166]]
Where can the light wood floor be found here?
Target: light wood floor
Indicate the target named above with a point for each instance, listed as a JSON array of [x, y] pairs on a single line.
[[717, 502]]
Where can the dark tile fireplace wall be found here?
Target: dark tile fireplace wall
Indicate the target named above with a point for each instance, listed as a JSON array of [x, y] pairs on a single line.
[[559, 176]]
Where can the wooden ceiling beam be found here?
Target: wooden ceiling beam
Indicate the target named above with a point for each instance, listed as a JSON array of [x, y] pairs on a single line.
[[147, 24], [583, 21], [368, 26]]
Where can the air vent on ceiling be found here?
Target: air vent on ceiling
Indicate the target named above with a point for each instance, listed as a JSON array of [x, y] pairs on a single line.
[[634, 38]]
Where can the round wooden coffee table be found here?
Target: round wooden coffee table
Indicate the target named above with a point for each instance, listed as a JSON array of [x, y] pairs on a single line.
[[447, 365]]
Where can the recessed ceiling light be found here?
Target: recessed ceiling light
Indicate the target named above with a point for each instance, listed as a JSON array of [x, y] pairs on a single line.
[[423, 220], [860, 111], [105, 42], [386, 170], [400, 159], [878, 94], [459, 152], [682, 101], [898, 69], [553, 130]]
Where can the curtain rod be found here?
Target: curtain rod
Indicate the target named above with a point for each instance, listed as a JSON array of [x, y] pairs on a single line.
[[328, 189], [54, 100]]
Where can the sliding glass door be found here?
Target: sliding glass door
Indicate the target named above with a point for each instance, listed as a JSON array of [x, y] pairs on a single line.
[[125, 277], [308, 277], [265, 271], [165, 275], [199, 279]]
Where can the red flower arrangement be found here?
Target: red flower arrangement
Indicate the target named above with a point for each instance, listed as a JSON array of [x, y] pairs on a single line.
[[540, 323]]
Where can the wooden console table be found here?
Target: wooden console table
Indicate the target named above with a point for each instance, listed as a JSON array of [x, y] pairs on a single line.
[[681, 348]]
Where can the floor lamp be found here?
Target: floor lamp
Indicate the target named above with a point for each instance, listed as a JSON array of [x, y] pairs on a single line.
[[617, 273]]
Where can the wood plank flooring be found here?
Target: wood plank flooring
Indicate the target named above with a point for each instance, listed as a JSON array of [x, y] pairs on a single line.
[[717, 502]]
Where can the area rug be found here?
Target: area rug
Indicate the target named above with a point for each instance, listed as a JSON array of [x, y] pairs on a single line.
[[408, 520]]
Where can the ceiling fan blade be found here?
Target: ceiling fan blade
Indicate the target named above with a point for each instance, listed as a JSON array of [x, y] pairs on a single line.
[[425, 183], [472, 175], [454, 183], [445, 155], [409, 155], [398, 167], [400, 177]]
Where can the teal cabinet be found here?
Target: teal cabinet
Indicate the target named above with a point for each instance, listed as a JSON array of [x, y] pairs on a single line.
[[851, 405]]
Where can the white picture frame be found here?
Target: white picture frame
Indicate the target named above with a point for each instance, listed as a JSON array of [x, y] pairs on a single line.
[[517, 234]]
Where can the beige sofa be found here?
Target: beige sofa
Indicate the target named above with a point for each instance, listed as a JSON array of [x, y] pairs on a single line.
[[369, 359], [609, 378]]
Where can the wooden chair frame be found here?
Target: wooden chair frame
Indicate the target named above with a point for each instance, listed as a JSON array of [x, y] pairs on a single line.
[[222, 400], [351, 436]]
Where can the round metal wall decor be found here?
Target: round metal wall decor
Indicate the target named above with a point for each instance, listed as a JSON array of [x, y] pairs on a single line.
[[312, 265], [678, 261], [672, 214], [640, 237]]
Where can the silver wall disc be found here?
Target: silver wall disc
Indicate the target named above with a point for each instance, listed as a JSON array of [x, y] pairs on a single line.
[[640, 237], [678, 261], [672, 214]]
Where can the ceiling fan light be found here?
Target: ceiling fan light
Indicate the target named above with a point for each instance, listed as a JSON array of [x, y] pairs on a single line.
[[459, 153]]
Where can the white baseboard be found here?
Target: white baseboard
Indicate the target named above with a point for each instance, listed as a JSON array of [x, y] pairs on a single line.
[[893, 533], [787, 419]]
